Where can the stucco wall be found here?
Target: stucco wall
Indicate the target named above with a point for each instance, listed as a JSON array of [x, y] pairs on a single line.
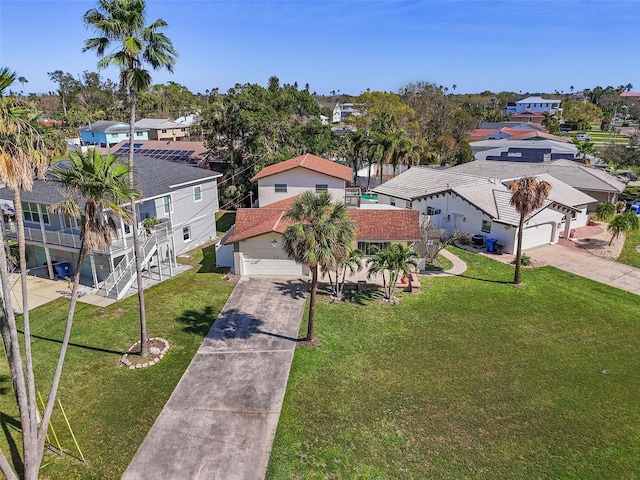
[[298, 181]]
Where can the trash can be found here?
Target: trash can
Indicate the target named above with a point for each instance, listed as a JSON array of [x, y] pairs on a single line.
[[491, 245], [499, 248], [63, 269]]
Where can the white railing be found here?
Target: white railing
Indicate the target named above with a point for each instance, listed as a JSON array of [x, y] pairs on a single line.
[[126, 269]]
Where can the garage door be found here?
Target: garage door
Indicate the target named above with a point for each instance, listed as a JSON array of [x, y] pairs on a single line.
[[266, 262], [537, 235]]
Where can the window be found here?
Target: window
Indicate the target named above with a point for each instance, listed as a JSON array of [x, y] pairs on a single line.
[[433, 211], [34, 211], [410, 204], [323, 187], [139, 134], [392, 200], [369, 247], [164, 130], [197, 193], [486, 226], [166, 203], [280, 187], [186, 234]]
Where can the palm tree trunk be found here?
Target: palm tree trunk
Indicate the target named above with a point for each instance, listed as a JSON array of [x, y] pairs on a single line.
[[31, 387], [53, 392], [312, 303], [517, 278], [136, 241], [14, 359]]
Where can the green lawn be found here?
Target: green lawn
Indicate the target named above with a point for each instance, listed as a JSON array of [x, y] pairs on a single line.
[[224, 220], [473, 378], [629, 254], [111, 408], [440, 264]]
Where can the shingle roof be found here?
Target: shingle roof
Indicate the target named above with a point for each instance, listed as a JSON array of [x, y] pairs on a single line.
[[422, 181], [310, 162], [109, 127], [154, 177], [156, 123], [572, 173], [385, 225]]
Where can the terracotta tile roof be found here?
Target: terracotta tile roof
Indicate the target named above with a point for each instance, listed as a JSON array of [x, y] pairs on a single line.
[[286, 203], [310, 162], [390, 225], [251, 222], [393, 225]]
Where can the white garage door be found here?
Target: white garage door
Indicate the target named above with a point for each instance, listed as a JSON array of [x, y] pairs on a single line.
[[537, 235], [267, 262]]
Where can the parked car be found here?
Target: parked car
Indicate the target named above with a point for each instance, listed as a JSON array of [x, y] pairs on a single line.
[[583, 137]]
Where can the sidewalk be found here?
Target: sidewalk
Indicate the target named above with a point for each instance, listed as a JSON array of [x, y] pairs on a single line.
[[580, 262], [221, 419]]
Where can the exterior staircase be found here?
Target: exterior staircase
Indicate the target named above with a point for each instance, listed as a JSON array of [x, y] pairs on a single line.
[[118, 283]]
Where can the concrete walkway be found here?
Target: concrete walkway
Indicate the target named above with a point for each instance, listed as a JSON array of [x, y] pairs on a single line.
[[221, 419], [584, 264], [459, 267]]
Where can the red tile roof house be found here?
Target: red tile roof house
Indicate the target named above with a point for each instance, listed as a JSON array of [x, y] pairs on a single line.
[[253, 245]]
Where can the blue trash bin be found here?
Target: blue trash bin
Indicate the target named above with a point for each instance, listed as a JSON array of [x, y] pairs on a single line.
[[63, 269], [491, 245]]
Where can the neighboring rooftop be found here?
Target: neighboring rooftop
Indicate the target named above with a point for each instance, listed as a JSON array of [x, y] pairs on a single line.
[[157, 123], [538, 100], [154, 178], [110, 127], [173, 150], [419, 182], [572, 173], [309, 162]]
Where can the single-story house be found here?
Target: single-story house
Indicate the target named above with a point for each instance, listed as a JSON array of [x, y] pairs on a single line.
[[480, 205], [591, 181]]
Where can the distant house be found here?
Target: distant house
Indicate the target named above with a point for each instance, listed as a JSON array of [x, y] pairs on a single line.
[[183, 198], [534, 105], [480, 205], [106, 134], [163, 129], [344, 110], [178, 151], [253, 245]]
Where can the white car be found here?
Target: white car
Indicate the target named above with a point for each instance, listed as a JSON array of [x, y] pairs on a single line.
[[583, 137]]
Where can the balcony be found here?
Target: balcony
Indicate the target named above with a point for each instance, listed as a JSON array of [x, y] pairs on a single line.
[[71, 237]]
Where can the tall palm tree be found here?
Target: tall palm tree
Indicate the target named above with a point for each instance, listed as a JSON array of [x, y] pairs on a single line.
[[623, 224], [528, 195], [25, 150], [124, 41], [96, 187], [320, 228]]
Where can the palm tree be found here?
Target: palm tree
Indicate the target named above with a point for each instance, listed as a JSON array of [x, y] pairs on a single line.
[[605, 211], [25, 150], [120, 25], [395, 259], [319, 230], [528, 195], [626, 223], [346, 259], [102, 184]]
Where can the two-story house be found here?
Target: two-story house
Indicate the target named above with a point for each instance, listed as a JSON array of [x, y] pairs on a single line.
[[106, 134], [183, 198], [253, 245], [163, 129]]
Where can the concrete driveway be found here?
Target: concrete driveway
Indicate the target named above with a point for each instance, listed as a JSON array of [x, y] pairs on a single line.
[[221, 419], [590, 266]]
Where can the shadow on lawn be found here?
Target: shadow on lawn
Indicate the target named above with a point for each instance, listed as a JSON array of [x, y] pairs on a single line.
[[504, 282], [77, 345], [9, 425]]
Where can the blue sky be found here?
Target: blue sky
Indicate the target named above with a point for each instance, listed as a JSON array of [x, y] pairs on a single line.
[[528, 46]]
